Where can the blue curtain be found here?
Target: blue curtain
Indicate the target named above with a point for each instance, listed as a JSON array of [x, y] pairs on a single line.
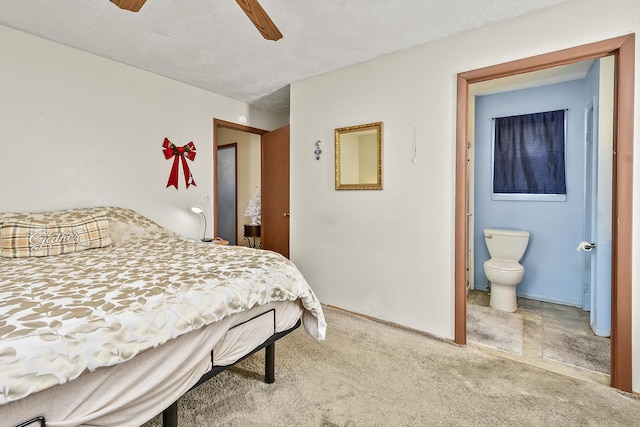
[[529, 154]]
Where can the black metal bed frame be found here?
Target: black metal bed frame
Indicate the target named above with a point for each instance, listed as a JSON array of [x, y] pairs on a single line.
[[170, 415]]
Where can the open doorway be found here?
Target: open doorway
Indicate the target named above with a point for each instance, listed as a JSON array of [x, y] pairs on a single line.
[[623, 48], [237, 159], [267, 171], [551, 325]]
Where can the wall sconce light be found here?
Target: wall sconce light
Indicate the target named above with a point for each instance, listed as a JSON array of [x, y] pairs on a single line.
[[317, 151], [198, 211]]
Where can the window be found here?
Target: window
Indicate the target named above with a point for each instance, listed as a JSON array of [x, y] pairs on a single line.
[[529, 157]]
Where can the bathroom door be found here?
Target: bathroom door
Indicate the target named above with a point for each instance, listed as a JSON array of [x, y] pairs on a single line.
[[597, 230], [598, 200], [590, 210]]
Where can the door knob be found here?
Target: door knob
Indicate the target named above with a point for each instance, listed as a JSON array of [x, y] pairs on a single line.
[[285, 214]]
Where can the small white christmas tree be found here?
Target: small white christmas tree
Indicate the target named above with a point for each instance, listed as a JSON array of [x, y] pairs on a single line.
[[253, 209]]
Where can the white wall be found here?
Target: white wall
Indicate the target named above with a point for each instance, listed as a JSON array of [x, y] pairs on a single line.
[[390, 253], [79, 130]]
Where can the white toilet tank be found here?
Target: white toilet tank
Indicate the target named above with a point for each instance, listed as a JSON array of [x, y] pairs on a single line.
[[506, 244]]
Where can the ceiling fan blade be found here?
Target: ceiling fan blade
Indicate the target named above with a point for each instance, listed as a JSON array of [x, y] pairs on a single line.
[[132, 5], [260, 19]]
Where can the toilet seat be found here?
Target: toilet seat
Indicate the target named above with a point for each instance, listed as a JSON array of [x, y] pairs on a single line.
[[507, 266]]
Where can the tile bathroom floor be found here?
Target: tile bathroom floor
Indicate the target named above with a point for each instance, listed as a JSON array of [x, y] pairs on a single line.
[[537, 315]]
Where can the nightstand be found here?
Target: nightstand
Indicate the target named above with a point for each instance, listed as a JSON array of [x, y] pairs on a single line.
[[252, 232]]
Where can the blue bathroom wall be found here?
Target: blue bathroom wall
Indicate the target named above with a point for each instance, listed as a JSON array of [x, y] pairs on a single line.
[[553, 267]]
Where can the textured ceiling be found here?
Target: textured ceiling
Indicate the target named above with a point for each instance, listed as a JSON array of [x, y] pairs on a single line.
[[212, 44]]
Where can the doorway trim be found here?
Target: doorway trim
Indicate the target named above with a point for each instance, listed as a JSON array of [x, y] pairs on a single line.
[[623, 48], [217, 124]]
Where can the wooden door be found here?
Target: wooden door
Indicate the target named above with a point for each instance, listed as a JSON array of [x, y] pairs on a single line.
[[275, 191]]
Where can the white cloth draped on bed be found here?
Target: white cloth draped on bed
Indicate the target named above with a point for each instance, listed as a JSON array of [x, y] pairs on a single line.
[[65, 315]]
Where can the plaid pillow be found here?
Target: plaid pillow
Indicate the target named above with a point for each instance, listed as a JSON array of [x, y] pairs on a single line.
[[19, 239]]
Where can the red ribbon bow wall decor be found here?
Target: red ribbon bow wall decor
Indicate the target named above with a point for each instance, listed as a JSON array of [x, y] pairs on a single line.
[[185, 152]]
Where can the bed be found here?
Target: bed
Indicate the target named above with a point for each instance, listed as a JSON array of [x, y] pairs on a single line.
[[107, 318]]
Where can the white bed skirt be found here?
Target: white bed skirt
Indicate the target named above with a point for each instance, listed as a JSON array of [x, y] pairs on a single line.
[[133, 392]]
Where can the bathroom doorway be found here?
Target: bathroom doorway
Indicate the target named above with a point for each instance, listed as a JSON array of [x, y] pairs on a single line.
[[552, 294], [624, 50]]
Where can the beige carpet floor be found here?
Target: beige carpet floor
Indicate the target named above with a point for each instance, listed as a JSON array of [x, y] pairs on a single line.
[[368, 373]]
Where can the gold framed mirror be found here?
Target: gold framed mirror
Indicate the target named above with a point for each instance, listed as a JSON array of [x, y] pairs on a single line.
[[359, 157]]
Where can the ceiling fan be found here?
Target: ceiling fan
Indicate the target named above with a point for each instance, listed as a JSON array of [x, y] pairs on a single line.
[[252, 8]]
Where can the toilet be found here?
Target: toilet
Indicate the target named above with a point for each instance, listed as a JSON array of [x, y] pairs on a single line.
[[503, 270]]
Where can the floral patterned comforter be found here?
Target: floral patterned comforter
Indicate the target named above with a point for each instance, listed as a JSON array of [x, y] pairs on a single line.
[[64, 315]]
